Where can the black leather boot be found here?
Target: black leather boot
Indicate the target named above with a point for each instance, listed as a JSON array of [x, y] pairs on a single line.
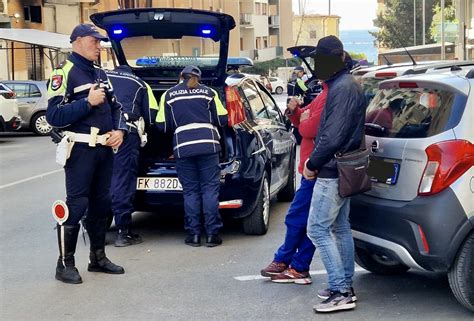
[[98, 262], [126, 237], [67, 240]]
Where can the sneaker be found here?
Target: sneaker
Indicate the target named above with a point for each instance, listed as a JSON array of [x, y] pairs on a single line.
[[273, 269], [337, 301], [326, 293], [292, 276]]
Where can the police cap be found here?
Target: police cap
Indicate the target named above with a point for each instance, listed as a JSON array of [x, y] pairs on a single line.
[[86, 29], [191, 70]]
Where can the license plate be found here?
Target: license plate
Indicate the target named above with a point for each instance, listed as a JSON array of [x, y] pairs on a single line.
[[158, 184], [383, 170]]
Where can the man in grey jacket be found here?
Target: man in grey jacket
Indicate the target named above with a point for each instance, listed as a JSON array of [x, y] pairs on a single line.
[[341, 130]]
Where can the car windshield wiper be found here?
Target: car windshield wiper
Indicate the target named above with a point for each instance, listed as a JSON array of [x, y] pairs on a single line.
[[375, 126]]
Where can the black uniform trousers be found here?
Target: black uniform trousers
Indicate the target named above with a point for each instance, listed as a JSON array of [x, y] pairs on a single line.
[[88, 174], [124, 180]]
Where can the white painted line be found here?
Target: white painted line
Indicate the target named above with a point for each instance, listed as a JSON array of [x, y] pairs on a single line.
[[31, 178], [259, 277]]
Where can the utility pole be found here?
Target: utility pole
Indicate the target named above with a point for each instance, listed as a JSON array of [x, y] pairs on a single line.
[[414, 22], [424, 21], [443, 51], [329, 7]]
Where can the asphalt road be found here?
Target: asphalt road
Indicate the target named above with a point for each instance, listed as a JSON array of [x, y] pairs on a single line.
[[164, 278]]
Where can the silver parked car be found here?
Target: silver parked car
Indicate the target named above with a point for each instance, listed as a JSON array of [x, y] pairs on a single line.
[[32, 99], [420, 211]]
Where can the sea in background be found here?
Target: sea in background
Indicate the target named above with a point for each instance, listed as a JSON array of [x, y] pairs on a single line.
[[359, 41]]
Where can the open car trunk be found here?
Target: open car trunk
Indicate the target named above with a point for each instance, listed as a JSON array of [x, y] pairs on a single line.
[[157, 43]]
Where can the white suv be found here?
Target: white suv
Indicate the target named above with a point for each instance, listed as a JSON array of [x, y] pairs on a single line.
[[9, 118], [420, 211]]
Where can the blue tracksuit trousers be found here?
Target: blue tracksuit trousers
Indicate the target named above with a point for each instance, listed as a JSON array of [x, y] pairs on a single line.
[[297, 249]]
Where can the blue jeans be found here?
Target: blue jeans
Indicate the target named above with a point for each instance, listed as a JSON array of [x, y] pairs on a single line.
[[200, 178], [297, 249], [330, 213]]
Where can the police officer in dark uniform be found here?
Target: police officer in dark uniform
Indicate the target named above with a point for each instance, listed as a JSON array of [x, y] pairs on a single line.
[[193, 112], [139, 107], [81, 103]]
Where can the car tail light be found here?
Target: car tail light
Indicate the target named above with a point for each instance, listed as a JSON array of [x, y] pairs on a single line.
[[9, 95], [235, 108], [385, 74], [447, 161]]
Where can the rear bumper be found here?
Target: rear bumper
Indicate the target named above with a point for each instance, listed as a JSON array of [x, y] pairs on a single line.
[[393, 228], [10, 125], [233, 187]]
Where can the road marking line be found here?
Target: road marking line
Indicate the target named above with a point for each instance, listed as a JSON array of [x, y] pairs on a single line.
[[31, 178], [259, 277]]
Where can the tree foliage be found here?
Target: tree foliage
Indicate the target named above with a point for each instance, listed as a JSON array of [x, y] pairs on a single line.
[[396, 23]]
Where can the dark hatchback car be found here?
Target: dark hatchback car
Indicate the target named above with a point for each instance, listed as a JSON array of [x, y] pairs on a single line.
[[258, 148]]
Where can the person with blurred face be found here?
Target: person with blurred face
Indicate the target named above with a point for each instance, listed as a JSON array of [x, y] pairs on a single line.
[[83, 108], [341, 130]]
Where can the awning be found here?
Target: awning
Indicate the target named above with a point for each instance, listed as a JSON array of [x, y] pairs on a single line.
[[41, 38]]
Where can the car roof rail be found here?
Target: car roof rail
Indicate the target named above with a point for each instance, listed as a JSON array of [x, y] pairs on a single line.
[[452, 65], [470, 74]]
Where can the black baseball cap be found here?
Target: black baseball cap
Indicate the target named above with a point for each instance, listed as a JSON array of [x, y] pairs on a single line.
[[86, 29], [191, 70], [329, 46]]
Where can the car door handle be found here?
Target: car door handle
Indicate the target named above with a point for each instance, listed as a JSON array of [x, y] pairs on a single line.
[[30, 102]]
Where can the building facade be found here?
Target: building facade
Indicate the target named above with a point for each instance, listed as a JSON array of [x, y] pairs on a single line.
[[308, 29], [259, 33]]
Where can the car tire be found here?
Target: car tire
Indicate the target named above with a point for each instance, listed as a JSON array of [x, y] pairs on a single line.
[[288, 192], [461, 274], [39, 125], [377, 264], [257, 222], [279, 90]]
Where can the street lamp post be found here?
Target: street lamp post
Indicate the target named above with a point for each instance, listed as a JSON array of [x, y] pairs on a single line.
[[424, 20], [414, 22], [443, 51]]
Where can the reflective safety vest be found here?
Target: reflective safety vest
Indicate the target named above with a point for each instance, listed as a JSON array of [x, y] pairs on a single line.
[[68, 89], [193, 114]]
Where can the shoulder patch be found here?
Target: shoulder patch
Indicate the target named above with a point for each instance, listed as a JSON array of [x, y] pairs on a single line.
[[56, 82]]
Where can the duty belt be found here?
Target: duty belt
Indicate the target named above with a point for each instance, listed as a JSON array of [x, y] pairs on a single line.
[[92, 139]]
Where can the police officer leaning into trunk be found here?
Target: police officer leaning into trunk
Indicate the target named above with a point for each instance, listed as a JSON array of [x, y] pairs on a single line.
[[81, 103], [193, 112], [139, 107]]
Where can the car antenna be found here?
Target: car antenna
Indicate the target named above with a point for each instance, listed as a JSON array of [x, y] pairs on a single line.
[[386, 59], [409, 55]]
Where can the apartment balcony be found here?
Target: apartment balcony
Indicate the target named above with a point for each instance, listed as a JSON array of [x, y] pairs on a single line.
[[274, 21], [246, 20], [262, 54]]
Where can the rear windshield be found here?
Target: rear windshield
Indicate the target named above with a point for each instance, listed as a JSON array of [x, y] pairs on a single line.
[[370, 87], [413, 113], [147, 51]]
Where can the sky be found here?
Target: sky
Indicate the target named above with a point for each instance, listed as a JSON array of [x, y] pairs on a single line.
[[355, 14]]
